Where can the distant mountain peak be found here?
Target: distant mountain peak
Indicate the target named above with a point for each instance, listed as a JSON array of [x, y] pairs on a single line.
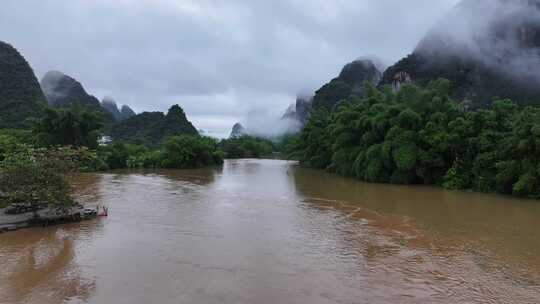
[[299, 111], [238, 130], [153, 127], [108, 100], [358, 72], [20, 94], [109, 104], [485, 48], [52, 77], [63, 90], [350, 81], [126, 112]]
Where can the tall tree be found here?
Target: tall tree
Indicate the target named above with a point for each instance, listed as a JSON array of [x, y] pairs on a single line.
[[74, 126]]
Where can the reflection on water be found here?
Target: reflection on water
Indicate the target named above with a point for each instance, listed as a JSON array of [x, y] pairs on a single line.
[[40, 266], [504, 225], [266, 231]]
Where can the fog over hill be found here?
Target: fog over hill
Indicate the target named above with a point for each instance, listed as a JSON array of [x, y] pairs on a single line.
[[110, 105], [485, 48], [219, 60], [63, 91]]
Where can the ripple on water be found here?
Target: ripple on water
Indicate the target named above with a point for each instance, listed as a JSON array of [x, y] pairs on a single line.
[[268, 232]]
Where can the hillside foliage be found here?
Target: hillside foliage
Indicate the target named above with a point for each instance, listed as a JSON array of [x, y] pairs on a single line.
[[67, 127], [152, 128], [246, 147], [21, 97], [421, 136]]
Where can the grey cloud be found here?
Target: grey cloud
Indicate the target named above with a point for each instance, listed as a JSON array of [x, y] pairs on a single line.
[[215, 58], [489, 31]]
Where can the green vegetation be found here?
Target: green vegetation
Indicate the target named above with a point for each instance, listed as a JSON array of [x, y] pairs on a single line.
[[178, 152], [79, 129], [331, 93], [20, 95], [10, 139], [186, 151], [421, 136], [348, 83], [118, 155], [152, 128], [37, 177], [34, 164], [246, 147], [63, 91], [67, 127], [469, 80], [287, 145]]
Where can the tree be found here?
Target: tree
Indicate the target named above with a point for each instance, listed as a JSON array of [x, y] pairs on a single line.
[[420, 135], [37, 177], [314, 143], [117, 155], [246, 147], [74, 126], [187, 151], [152, 128]]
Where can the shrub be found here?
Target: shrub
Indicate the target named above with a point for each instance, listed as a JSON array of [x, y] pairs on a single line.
[[37, 177]]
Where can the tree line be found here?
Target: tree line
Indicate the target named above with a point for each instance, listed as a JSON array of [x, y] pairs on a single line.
[[421, 136], [35, 163]]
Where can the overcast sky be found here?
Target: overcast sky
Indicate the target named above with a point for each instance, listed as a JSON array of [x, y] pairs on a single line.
[[220, 60]]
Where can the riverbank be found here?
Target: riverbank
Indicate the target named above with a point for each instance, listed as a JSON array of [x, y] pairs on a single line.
[[14, 222]]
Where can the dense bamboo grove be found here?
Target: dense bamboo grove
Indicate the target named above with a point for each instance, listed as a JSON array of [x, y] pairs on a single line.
[[421, 136]]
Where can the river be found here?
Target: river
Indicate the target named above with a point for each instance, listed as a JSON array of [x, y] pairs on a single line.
[[268, 231]]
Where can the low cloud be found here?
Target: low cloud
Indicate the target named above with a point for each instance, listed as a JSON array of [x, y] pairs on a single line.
[[215, 58], [498, 34]]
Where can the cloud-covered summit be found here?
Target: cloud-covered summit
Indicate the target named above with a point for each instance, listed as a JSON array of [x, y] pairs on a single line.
[[220, 60]]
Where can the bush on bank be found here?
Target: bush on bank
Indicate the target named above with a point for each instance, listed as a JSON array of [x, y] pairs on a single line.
[[37, 177]]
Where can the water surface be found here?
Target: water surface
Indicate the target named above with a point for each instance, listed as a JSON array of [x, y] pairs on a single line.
[[267, 231]]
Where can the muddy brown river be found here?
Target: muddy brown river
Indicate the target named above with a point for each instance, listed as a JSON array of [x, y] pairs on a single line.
[[267, 231]]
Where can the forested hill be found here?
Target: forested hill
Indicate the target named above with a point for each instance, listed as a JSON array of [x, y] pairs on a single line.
[[126, 112], [421, 136], [20, 94], [109, 104], [152, 128], [349, 82], [22, 97], [63, 91], [238, 130], [485, 48]]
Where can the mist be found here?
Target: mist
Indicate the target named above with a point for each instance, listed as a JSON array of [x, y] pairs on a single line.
[[219, 60], [49, 84], [269, 125], [503, 35]]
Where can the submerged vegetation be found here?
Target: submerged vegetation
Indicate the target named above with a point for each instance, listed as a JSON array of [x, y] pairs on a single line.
[[421, 136], [413, 136], [178, 152], [35, 163], [246, 147]]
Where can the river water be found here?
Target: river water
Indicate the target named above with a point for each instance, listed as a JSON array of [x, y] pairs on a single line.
[[268, 231]]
